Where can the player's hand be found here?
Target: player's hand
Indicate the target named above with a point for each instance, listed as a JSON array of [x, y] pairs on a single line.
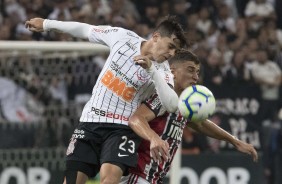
[[35, 24], [246, 148], [143, 61], [159, 149]]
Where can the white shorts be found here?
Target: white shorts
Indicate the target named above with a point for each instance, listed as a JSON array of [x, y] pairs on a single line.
[[133, 178]]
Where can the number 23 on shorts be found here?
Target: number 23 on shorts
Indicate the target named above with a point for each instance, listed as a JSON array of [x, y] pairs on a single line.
[[126, 146]]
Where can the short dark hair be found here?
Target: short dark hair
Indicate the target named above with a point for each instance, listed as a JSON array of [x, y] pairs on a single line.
[[182, 56], [170, 26]]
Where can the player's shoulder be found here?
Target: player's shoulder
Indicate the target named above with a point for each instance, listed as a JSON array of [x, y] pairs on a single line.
[[130, 34]]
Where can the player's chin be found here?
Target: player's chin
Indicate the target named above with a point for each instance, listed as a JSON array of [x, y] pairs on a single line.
[[161, 59], [190, 84]]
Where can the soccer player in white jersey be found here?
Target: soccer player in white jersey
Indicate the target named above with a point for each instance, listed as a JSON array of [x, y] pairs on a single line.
[[103, 141], [152, 167]]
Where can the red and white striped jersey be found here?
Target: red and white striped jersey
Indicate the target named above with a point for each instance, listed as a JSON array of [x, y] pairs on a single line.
[[122, 85], [170, 128]]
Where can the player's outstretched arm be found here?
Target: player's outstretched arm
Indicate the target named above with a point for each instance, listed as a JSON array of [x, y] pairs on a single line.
[[76, 29], [138, 122], [167, 95], [210, 129]]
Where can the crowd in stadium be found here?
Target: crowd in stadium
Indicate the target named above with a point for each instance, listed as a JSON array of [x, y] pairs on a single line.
[[238, 42]]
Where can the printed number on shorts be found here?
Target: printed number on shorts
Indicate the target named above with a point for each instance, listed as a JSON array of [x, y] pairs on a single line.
[[117, 86], [131, 144]]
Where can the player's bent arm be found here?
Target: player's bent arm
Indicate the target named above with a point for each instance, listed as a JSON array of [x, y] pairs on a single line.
[[76, 29], [167, 95], [138, 122], [159, 149], [210, 129]]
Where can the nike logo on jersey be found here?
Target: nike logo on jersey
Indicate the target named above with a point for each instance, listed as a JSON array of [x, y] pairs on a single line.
[[122, 53], [122, 155]]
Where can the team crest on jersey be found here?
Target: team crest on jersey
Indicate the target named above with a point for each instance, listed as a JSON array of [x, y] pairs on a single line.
[[142, 75], [71, 146]]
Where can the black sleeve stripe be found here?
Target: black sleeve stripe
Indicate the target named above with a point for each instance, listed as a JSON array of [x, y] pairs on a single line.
[[170, 85], [154, 104], [155, 111]]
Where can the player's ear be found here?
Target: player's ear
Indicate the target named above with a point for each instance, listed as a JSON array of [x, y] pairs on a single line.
[[156, 36]]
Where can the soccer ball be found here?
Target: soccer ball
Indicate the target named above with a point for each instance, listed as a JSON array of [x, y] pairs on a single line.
[[196, 103]]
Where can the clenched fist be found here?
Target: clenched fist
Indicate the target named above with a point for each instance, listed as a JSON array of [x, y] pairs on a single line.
[[35, 24], [143, 61]]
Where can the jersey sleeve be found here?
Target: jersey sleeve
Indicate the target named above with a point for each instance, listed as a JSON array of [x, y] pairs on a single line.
[[169, 80], [155, 105], [106, 35], [168, 76], [162, 79]]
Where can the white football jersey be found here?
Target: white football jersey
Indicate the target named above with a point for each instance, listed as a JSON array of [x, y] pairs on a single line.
[[122, 85]]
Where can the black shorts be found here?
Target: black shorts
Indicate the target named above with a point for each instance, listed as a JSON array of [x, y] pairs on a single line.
[[98, 143]]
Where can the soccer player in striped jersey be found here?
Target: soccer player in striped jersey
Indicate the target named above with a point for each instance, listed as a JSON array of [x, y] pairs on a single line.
[[134, 70], [152, 166]]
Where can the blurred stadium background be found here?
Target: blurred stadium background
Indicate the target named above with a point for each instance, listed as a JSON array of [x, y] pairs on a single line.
[[43, 87]]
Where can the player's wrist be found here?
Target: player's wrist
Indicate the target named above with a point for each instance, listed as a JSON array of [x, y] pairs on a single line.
[[45, 25], [151, 70], [154, 137], [235, 141]]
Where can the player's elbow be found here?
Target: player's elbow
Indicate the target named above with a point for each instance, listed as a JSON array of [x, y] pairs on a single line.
[[133, 121], [171, 109], [172, 106]]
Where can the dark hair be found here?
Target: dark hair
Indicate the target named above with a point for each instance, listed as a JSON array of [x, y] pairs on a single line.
[[182, 56], [170, 26]]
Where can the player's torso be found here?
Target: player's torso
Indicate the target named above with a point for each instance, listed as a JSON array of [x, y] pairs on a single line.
[[169, 127], [121, 85]]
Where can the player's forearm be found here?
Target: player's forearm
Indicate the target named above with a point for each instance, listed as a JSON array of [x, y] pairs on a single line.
[[76, 29], [141, 127], [210, 129], [167, 95]]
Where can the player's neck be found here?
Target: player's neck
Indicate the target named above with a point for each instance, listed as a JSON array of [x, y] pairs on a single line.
[[178, 93], [146, 49], [178, 90]]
